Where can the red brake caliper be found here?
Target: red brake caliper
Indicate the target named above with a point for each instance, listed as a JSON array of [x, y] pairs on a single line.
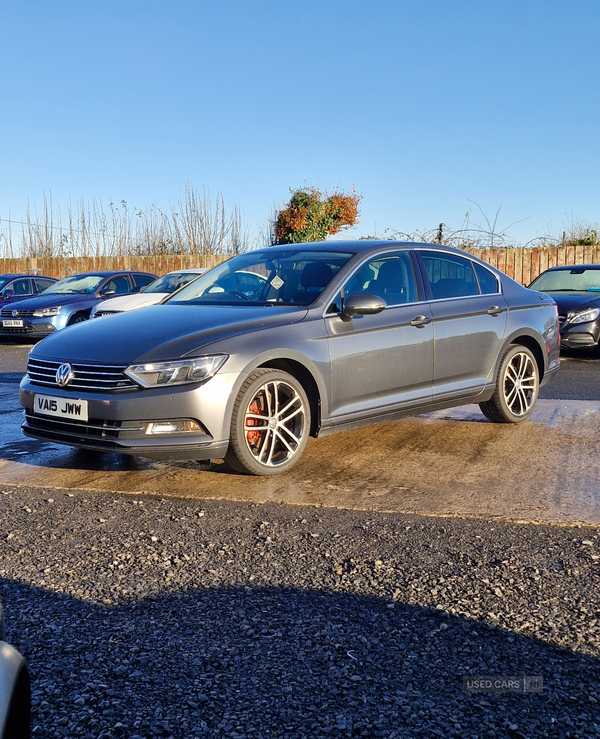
[[255, 407]]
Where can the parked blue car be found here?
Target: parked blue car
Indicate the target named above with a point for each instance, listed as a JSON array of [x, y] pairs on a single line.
[[68, 301], [19, 287]]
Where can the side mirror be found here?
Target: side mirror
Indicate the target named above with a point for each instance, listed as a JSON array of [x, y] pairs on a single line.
[[107, 293], [8, 293], [362, 304]]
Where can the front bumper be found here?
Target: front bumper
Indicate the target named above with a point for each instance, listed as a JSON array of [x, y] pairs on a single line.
[[118, 420], [29, 328], [580, 335], [38, 326]]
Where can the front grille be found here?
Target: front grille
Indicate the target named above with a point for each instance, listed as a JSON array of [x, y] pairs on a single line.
[[103, 433], [8, 313], [94, 377], [101, 313], [13, 330]]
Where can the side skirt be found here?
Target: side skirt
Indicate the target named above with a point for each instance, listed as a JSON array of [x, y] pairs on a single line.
[[414, 410]]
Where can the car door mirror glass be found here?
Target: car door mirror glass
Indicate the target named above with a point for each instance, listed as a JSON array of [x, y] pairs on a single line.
[[362, 304]]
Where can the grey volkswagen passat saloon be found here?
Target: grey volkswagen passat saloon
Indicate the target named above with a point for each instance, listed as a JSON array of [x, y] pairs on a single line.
[[336, 335]]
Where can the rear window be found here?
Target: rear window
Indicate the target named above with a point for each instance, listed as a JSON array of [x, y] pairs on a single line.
[[487, 280], [141, 281], [449, 276]]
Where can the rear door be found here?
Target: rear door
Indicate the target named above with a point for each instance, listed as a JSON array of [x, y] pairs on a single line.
[[469, 313], [385, 361]]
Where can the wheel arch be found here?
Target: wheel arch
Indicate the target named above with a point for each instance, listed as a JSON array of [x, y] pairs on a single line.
[[80, 313], [305, 377], [533, 345]]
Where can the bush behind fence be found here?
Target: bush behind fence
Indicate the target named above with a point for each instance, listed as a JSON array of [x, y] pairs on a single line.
[[521, 263]]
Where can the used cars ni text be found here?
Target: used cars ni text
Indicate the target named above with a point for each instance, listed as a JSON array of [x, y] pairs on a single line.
[[68, 301], [335, 336], [576, 290]]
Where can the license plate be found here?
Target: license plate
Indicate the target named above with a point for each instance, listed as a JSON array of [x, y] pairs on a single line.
[[12, 324], [46, 405]]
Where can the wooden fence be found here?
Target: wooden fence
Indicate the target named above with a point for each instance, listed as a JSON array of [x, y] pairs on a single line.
[[521, 263], [63, 266]]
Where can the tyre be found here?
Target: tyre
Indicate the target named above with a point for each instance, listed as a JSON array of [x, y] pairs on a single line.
[[517, 387], [78, 318], [270, 424]]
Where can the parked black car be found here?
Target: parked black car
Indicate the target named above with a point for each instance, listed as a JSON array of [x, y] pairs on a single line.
[[576, 290], [15, 287]]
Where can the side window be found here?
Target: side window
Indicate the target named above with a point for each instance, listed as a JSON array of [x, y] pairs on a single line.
[[42, 284], [120, 286], [488, 283], [449, 276], [389, 276], [141, 281], [22, 286]]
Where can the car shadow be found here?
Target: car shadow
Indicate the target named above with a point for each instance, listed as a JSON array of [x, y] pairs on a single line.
[[283, 662]]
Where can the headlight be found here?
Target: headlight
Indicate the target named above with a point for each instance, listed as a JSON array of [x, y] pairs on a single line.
[[585, 316], [176, 373], [47, 311]]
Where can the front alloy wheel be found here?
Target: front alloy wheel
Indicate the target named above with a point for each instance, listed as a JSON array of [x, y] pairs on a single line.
[[517, 387], [270, 424]]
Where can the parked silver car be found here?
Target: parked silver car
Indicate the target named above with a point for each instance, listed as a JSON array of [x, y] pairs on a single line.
[[334, 336], [152, 294], [15, 694]]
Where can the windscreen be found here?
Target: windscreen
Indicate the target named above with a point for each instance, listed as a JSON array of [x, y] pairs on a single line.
[[267, 277], [577, 279], [75, 285], [171, 282]]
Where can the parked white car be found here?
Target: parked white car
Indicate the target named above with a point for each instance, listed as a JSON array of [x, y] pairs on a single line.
[[15, 694], [154, 293]]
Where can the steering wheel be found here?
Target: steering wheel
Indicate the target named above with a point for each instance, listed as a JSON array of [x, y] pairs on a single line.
[[238, 294]]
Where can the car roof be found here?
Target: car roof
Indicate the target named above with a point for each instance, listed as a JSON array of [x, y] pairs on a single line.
[[186, 271], [564, 267], [109, 273], [364, 245], [16, 275]]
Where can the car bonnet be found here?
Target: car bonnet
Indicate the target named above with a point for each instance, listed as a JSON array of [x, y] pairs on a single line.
[[159, 332]]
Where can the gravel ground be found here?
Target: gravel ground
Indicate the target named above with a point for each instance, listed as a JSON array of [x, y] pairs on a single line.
[[145, 617]]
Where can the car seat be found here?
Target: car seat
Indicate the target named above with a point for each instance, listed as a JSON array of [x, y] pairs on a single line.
[[392, 283], [315, 276]]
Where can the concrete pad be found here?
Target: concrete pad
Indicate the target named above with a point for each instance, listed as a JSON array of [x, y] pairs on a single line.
[[448, 463]]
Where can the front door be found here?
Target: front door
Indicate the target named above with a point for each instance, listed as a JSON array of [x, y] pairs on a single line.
[[384, 361]]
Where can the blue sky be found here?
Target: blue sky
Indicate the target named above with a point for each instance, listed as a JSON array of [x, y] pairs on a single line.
[[421, 106]]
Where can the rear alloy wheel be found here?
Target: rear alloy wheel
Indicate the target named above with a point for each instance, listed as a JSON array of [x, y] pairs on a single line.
[[270, 424], [517, 387]]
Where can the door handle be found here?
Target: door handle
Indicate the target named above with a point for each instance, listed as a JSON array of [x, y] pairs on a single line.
[[420, 321], [495, 310]]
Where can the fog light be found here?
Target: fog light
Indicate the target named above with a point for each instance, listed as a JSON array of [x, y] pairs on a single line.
[[173, 427]]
